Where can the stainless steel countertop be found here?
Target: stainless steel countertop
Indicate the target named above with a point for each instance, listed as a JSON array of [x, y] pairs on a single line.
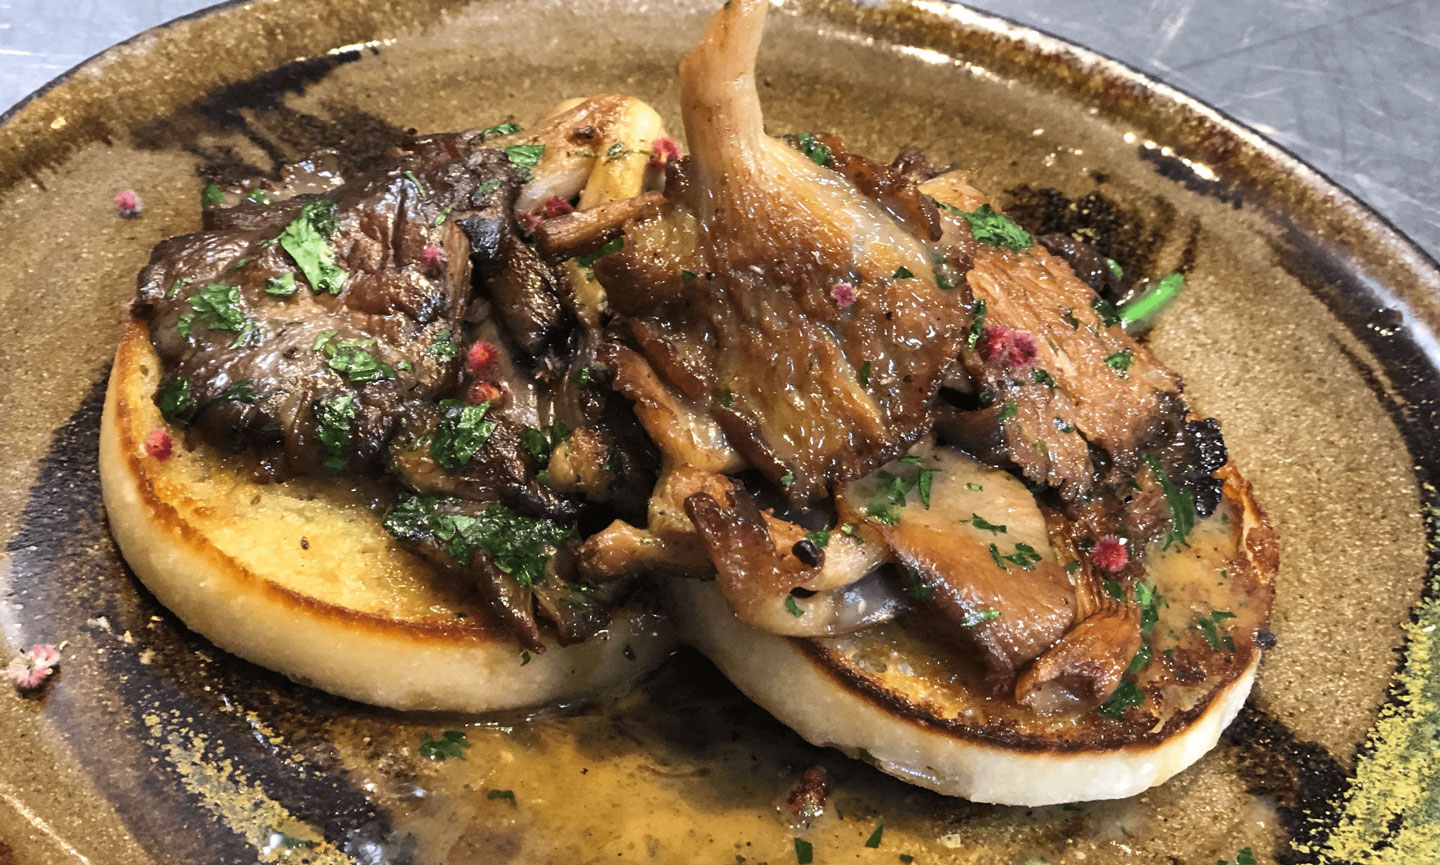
[[1351, 86]]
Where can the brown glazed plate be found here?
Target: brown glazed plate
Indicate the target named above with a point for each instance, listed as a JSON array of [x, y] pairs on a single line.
[[1309, 329]]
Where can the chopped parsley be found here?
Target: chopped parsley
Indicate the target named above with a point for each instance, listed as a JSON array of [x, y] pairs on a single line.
[[462, 431], [419, 184], [1246, 856], [185, 323], [687, 276], [212, 194], [1025, 557], [508, 795], [973, 487], [1072, 568], [1114, 589], [1125, 696], [811, 147], [1149, 601], [787, 479], [307, 240], [217, 306], [176, 286], [1180, 501], [997, 229], [484, 189], [290, 842], [979, 617], [586, 375], [1141, 658], [615, 151], [1115, 268], [864, 377], [525, 157], [281, 286], [258, 196], [804, 852], [1009, 411], [977, 325], [873, 842], [176, 398], [1106, 310], [334, 417], [902, 273], [793, 608], [945, 276], [541, 443], [444, 348], [820, 538], [352, 359], [524, 657], [516, 544], [1069, 315], [1063, 425], [1211, 629], [1120, 361], [440, 217], [883, 512], [985, 525], [918, 588], [1040, 376], [500, 129], [237, 391], [452, 743], [614, 244]]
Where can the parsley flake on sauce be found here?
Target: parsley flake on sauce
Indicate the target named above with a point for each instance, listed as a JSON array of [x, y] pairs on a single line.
[[873, 842], [977, 325], [307, 240], [518, 545], [500, 129], [1180, 501], [541, 443], [217, 306], [1120, 362], [176, 398], [212, 194], [334, 417], [508, 795], [462, 431], [281, 286], [444, 348], [983, 524], [793, 608], [902, 273], [419, 185], [979, 617], [452, 743], [997, 230], [804, 852], [820, 538], [352, 359], [811, 147], [524, 157], [1125, 696]]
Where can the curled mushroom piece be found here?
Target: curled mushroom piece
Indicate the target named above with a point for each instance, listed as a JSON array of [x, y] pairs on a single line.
[[759, 578]]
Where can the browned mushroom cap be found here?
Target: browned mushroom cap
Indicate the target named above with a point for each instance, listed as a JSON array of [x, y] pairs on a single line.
[[978, 546]]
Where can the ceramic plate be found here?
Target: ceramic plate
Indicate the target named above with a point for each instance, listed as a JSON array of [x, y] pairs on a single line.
[[1309, 329]]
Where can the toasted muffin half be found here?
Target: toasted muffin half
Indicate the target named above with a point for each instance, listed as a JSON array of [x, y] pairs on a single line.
[[302, 578], [917, 708]]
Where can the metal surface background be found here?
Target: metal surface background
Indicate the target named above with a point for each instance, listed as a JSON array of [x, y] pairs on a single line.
[[1351, 86]]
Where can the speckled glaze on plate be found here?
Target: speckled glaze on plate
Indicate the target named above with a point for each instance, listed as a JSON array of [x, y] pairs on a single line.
[[1309, 329]]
